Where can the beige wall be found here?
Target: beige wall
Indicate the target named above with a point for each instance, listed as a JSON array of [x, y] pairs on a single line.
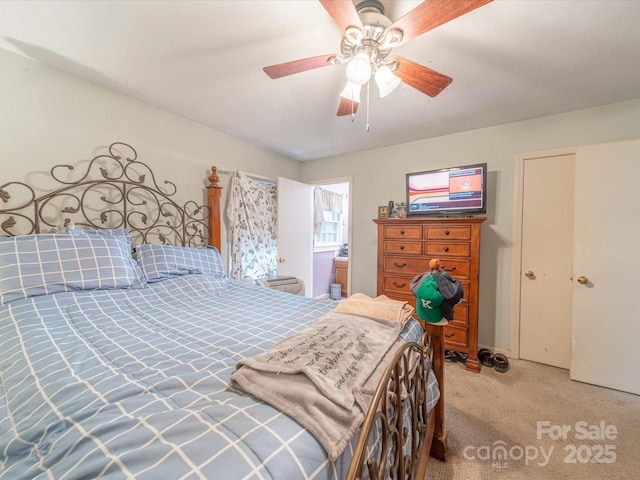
[[50, 117], [379, 176]]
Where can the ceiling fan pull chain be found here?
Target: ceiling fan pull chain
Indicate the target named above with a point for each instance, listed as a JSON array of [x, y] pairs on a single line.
[[367, 126], [353, 112]]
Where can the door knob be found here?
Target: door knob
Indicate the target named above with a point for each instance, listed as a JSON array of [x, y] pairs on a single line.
[[530, 274], [582, 280]]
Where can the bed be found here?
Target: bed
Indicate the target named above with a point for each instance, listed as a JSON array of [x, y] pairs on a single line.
[[121, 367]]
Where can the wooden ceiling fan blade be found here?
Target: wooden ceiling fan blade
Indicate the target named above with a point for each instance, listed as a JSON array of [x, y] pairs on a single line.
[[421, 78], [432, 13], [344, 13], [297, 66], [346, 107]]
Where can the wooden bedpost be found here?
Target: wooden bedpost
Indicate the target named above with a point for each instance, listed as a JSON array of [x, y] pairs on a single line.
[[439, 443], [214, 191]]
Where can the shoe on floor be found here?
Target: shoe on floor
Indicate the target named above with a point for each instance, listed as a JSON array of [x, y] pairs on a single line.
[[500, 363]]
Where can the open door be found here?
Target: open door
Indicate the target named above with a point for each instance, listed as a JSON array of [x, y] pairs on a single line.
[[606, 304], [295, 231]]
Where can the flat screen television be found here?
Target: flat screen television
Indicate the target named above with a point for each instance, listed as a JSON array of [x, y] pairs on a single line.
[[456, 191]]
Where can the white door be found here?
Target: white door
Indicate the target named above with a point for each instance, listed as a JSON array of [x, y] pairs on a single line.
[[606, 307], [295, 231], [546, 265]]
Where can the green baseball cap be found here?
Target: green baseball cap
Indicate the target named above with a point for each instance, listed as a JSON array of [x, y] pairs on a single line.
[[429, 301]]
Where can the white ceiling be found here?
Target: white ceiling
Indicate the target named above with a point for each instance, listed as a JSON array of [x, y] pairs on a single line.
[[510, 60]]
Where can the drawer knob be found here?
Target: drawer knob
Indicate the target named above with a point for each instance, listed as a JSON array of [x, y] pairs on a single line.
[[446, 249], [448, 269], [398, 265], [450, 334], [401, 247], [401, 285], [446, 232], [401, 232]]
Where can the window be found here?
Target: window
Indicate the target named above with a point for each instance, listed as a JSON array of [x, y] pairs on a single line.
[[330, 217], [331, 233]]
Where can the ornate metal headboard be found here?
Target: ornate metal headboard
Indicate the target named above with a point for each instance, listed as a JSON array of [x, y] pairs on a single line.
[[115, 191]]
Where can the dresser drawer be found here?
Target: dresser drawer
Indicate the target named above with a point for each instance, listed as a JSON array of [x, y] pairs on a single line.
[[455, 336], [442, 249], [461, 232], [398, 246], [397, 284], [409, 232], [461, 314], [456, 267], [407, 265]]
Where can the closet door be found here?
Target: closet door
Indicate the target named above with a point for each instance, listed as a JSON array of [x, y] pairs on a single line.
[[546, 266], [606, 302]]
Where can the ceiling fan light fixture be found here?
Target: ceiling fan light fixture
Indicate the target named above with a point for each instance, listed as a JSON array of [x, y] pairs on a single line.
[[359, 69], [351, 92], [353, 34], [392, 38], [387, 82]]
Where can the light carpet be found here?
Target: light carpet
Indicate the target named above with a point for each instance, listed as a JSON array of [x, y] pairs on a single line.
[[534, 422]]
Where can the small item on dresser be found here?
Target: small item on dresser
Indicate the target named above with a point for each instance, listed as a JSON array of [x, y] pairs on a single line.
[[402, 210], [393, 212]]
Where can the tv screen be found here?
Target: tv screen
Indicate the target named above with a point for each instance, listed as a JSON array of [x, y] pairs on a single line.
[[448, 191]]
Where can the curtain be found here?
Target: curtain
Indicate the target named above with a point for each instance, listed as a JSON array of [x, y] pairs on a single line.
[[252, 216], [331, 201], [318, 212], [325, 200]]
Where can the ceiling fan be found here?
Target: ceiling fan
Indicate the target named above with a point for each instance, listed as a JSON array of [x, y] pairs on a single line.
[[368, 39]]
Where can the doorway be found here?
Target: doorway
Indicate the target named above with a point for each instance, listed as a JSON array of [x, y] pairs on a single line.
[[300, 253], [605, 323], [332, 247], [294, 224]]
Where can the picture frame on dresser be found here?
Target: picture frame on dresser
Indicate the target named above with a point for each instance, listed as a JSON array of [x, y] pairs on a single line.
[[383, 211]]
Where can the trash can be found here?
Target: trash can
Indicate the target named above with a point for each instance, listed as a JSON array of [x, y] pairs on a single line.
[[335, 293]]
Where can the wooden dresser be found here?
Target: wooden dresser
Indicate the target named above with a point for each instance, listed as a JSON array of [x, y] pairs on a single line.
[[405, 247]]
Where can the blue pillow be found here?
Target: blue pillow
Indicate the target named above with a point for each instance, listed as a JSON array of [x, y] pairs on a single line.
[[164, 261], [33, 265], [121, 233]]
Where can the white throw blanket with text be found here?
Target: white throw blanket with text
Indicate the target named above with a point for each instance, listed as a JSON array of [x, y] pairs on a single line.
[[324, 376]]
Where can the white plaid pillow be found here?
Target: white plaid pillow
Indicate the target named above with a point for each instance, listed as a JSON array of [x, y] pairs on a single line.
[[163, 261], [33, 265]]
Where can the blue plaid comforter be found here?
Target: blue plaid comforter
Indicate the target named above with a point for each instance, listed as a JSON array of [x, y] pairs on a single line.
[[133, 384]]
